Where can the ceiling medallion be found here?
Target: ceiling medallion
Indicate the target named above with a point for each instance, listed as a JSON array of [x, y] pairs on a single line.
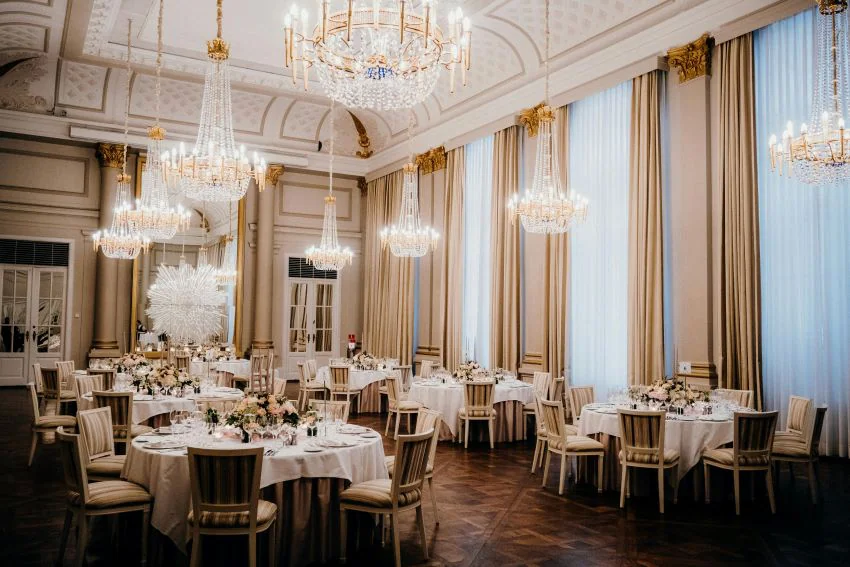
[[820, 154], [382, 54]]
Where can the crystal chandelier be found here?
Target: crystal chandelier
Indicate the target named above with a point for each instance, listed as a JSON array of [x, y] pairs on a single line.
[[216, 170], [408, 238], [329, 255], [545, 208], [228, 273], [121, 241], [820, 154], [153, 216], [185, 302], [379, 54]]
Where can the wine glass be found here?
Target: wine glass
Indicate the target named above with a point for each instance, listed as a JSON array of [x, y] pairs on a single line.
[[174, 418]]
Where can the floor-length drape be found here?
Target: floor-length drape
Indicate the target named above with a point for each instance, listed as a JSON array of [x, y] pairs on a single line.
[[646, 299], [740, 294], [558, 263], [805, 245], [451, 275], [388, 281], [505, 339]]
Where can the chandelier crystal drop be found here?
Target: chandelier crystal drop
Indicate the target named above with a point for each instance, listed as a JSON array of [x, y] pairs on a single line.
[[329, 255], [185, 303], [378, 54], [819, 154], [216, 170], [545, 208], [228, 273], [121, 241]]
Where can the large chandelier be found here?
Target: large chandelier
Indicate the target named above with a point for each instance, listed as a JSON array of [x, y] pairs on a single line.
[[408, 238], [185, 302], [545, 208], [153, 215], [121, 241], [227, 273], [820, 153], [329, 255], [379, 54], [216, 170]]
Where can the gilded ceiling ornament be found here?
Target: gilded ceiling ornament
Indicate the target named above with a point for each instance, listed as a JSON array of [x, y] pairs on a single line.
[[273, 173], [432, 161], [532, 117], [110, 155], [361, 184], [362, 137], [693, 59]]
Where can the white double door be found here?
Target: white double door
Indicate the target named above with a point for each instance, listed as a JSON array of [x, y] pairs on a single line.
[[313, 314], [32, 320]]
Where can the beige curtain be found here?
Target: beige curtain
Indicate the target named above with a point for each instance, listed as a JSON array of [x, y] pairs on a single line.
[[558, 263], [740, 295], [646, 299], [504, 284], [388, 281], [451, 275]]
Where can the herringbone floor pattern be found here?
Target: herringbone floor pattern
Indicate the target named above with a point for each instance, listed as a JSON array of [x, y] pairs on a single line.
[[493, 513]]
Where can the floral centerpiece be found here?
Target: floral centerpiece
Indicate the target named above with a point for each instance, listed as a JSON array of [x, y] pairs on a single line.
[[470, 370], [365, 361], [131, 361], [171, 378], [667, 392], [255, 411]]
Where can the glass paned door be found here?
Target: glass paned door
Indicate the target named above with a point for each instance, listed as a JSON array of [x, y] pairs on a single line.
[[312, 315]]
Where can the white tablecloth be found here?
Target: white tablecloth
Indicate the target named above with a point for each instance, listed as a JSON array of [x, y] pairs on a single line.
[[448, 398], [687, 437], [143, 410], [357, 379], [166, 474]]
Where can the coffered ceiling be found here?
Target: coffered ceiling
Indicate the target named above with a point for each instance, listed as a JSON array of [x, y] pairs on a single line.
[[66, 69]]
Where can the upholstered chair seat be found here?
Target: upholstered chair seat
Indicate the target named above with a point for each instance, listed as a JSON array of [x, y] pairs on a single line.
[[111, 494], [378, 493], [725, 456], [107, 466], [42, 424], [670, 457], [790, 448], [266, 512], [398, 405], [489, 412], [55, 421]]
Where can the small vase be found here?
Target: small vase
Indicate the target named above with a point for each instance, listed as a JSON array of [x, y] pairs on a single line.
[[246, 436], [150, 391], [197, 389]]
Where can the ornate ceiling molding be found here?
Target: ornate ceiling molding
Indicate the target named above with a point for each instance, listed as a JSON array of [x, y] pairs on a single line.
[[432, 161], [532, 117], [365, 150], [693, 60]]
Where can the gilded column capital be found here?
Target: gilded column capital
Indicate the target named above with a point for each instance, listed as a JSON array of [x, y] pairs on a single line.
[[693, 60], [432, 161], [110, 155], [361, 184], [273, 173], [532, 117]]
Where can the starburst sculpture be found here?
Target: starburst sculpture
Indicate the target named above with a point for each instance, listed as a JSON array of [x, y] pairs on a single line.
[[185, 303]]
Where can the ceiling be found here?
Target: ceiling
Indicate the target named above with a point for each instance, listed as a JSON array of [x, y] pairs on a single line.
[[71, 75]]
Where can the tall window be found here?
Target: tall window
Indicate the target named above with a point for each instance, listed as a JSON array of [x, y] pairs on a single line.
[[599, 169], [805, 245], [477, 189]]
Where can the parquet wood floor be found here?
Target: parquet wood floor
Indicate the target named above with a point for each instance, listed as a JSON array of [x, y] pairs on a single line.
[[494, 513]]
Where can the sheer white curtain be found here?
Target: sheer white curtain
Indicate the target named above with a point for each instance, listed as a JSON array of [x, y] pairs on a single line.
[[599, 169], [805, 245], [477, 190]]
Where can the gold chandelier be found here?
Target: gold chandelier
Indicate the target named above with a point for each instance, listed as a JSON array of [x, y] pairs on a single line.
[[379, 54], [544, 208], [820, 153], [227, 273], [329, 255], [216, 170]]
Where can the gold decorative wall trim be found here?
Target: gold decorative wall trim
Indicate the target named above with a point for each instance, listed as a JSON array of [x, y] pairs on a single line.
[[361, 184], [693, 60], [428, 350], [273, 173], [532, 117], [110, 155], [703, 375], [431, 161], [365, 150]]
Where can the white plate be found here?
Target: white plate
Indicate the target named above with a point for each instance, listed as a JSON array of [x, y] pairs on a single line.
[[369, 435], [165, 444], [142, 398], [336, 444], [312, 449]]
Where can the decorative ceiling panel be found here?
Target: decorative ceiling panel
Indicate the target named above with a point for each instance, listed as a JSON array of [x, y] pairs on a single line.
[[82, 85], [30, 37], [302, 120]]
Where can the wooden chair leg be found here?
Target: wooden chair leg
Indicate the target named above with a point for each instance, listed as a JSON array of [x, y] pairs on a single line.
[[813, 482], [396, 541], [466, 424], [546, 467], [490, 429], [32, 448], [433, 498], [63, 541], [145, 530], [343, 534], [770, 496], [599, 474], [420, 519], [706, 473], [562, 474], [272, 547], [661, 490], [252, 549], [195, 560], [624, 480], [536, 455], [389, 419], [82, 539], [397, 420], [409, 431], [737, 481]]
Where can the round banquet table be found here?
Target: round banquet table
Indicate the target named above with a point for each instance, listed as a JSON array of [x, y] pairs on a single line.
[[688, 435], [240, 367], [306, 488], [145, 407], [509, 399], [367, 381]]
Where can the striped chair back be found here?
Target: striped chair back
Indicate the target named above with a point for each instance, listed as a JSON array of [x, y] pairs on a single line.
[[478, 398], [540, 384], [36, 411], [226, 481], [121, 408], [409, 468], [580, 396], [799, 409], [50, 383], [404, 376], [95, 427], [181, 361], [106, 375], [303, 374], [312, 368], [39, 381], [552, 412], [744, 398], [556, 389], [74, 462], [331, 409], [430, 420], [393, 389], [261, 379], [66, 370], [86, 384], [817, 429], [425, 368], [753, 438], [340, 376], [642, 435]]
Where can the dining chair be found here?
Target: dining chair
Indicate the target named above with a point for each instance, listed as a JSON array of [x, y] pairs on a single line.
[[744, 398], [341, 382], [752, 443], [556, 390], [477, 406], [307, 386], [401, 493], [799, 414], [398, 406], [62, 398], [426, 420], [540, 387], [332, 409], [66, 370], [42, 424], [580, 396], [226, 500], [807, 451], [262, 372], [85, 384], [425, 368], [101, 462], [121, 406], [38, 380], [559, 442], [313, 367], [642, 438], [204, 403], [86, 500], [107, 376], [181, 361]]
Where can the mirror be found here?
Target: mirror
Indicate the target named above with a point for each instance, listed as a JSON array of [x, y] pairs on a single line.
[[215, 231]]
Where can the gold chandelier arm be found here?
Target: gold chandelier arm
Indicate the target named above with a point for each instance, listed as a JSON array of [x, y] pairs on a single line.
[[546, 57], [218, 18], [158, 57], [127, 107], [331, 161]]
